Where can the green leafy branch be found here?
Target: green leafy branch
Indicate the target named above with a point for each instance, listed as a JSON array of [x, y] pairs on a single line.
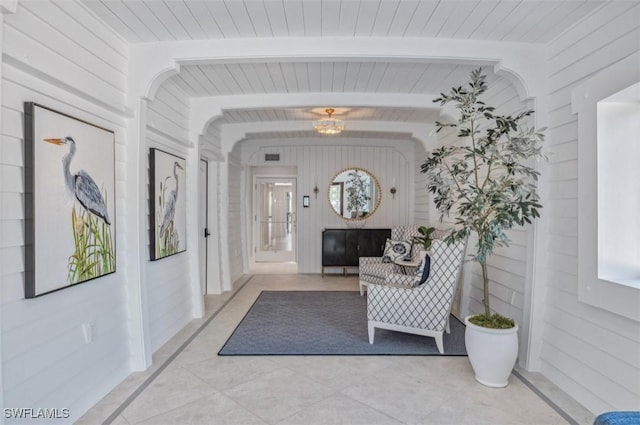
[[489, 181]]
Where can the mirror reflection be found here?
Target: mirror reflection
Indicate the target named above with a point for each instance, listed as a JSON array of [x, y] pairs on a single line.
[[354, 194]]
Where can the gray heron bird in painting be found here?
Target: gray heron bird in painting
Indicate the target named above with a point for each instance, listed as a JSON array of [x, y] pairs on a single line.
[[170, 204], [81, 184]]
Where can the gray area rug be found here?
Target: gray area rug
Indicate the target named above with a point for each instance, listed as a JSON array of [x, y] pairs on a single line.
[[326, 323]]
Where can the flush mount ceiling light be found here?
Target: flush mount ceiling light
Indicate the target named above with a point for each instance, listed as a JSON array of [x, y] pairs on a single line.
[[329, 125]]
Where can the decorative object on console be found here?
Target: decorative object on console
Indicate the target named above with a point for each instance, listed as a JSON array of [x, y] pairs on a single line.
[[329, 125], [168, 206], [70, 237], [489, 178]]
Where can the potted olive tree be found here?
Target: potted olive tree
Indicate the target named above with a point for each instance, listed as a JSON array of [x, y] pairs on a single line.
[[489, 182]]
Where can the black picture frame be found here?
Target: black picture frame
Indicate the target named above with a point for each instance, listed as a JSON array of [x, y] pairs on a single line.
[[70, 200], [167, 204]]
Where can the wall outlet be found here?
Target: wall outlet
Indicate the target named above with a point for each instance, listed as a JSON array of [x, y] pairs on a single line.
[[87, 331]]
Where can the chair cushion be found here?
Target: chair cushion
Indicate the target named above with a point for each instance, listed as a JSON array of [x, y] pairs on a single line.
[[422, 272], [380, 270], [394, 250]]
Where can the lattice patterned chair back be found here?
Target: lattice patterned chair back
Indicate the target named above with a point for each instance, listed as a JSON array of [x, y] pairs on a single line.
[[402, 306], [404, 233]]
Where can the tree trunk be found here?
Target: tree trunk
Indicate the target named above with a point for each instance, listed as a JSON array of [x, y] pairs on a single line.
[[485, 282]]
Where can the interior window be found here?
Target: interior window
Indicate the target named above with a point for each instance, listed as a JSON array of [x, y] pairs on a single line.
[[618, 187], [607, 105]]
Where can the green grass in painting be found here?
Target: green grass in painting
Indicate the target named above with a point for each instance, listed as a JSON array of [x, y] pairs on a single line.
[[94, 253], [169, 242]]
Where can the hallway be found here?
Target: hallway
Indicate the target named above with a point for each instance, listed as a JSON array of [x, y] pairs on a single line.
[[189, 384]]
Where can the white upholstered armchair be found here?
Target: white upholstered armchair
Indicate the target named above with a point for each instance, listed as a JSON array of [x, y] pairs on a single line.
[[399, 305]]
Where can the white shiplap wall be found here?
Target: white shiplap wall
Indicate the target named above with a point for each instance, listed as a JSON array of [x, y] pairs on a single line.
[[423, 201], [62, 57], [211, 142], [592, 354], [168, 279], [318, 160], [235, 221]]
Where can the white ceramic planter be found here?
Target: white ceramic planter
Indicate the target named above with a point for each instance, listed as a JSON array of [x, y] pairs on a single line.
[[492, 353]]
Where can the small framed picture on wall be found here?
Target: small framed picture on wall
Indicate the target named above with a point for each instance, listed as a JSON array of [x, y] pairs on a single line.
[[168, 206]]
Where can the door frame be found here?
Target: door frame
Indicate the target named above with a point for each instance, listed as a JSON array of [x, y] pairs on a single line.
[[255, 228], [204, 227]]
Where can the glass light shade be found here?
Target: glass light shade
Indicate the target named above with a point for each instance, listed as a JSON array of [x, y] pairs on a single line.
[[329, 125]]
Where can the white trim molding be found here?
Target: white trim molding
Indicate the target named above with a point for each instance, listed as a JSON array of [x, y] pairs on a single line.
[[616, 298]]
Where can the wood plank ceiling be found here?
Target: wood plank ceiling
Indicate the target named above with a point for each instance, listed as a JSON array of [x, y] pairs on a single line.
[[529, 21], [526, 21]]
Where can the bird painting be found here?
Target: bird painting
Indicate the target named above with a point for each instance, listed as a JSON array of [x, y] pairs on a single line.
[[81, 185], [170, 202], [93, 253]]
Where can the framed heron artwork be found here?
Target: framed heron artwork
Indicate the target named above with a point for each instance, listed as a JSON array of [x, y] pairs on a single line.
[[69, 200], [168, 206]]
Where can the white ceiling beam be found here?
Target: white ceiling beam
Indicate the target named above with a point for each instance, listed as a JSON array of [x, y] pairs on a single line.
[[205, 110], [317, 99], [233, 133], [151, 63]]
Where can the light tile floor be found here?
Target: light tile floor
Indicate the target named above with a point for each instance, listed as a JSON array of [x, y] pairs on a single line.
[[198, 387]]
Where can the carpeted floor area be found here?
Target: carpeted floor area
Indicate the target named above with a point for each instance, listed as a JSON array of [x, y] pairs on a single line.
[[325, 323]]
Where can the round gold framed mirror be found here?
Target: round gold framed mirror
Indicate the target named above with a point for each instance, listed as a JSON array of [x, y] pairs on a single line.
[[354, 194]]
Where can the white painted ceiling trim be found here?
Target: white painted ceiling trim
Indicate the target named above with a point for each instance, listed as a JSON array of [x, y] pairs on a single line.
[[205, 110], [316, 99], [233, 133], [152, 63]]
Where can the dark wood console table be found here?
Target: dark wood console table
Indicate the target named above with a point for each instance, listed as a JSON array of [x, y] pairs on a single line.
[[343, 247]]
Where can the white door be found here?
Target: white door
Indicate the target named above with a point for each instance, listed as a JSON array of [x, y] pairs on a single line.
[[204, 231], [275, 219]]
